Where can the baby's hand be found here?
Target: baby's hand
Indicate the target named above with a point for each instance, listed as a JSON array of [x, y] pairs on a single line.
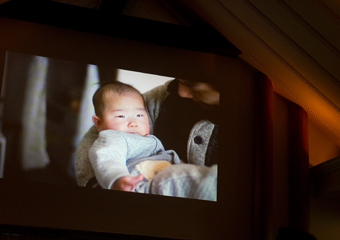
[[127, 183]]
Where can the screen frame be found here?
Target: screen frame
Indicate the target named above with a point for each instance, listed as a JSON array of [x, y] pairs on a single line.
[[76, 208]]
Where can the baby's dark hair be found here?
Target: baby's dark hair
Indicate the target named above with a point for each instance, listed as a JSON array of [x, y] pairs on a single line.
[[116, 87]]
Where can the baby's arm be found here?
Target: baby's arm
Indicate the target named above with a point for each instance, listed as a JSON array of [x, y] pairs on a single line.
[[108, 158], [127, 183]]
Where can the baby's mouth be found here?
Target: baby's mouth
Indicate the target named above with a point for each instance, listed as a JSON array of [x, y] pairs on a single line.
[[134, 132]]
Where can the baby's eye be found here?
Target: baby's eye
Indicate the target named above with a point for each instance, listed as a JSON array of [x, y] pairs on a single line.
[[139, 115], [121, 116]]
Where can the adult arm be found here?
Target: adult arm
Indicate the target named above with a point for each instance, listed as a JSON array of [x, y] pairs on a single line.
[[154, 100], [83, 168]]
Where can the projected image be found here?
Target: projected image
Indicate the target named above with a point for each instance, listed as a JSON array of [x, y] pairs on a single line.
[[143, 132]]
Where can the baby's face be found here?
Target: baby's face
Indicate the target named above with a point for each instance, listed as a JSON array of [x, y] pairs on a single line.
[[125, 113]]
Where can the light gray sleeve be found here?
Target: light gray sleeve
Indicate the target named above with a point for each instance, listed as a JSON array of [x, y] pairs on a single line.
[[108, 158], [154, 100], [83, 168]]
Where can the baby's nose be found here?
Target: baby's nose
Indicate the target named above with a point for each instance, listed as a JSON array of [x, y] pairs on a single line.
[[132, 124]]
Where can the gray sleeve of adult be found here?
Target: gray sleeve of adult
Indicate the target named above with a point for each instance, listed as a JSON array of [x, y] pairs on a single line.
[[154, 100], [83, 168], [198, 142]]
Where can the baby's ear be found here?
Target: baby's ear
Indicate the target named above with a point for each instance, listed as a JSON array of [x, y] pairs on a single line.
[[97, 122]]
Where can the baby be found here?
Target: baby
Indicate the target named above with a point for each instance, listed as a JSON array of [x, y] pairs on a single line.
[[125, 156]]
